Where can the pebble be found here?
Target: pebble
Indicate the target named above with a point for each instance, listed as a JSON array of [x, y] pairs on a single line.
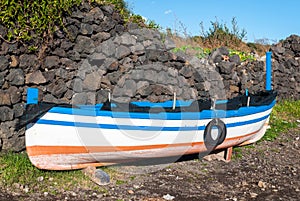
[[262, 184], [46, 193], [26, 189], [253, 195], [130, 191], [168, 197], [244, 183], [40, 179]]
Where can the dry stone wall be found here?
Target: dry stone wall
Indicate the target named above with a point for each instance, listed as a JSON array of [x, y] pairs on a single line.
[[98, 54], [286, 66]]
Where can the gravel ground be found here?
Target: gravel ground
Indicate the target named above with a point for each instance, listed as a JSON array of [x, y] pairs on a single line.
[[264, 171]]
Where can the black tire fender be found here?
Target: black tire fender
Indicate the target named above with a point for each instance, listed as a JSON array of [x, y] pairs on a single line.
[[209, 139]]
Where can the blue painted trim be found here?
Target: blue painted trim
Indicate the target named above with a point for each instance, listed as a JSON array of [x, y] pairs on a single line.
[[147, 128], [32, 96], [205, 114]]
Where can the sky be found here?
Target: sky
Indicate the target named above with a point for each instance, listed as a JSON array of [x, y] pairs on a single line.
[[262, 19]]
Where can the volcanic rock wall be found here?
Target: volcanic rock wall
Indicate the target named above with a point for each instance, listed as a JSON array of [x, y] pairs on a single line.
[[286, 67], [98, 55]]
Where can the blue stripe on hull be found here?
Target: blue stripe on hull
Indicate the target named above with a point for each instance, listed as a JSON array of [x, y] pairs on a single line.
[[148, 128]]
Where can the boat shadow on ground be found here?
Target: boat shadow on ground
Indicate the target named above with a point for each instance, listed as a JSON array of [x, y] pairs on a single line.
[[163, 160]]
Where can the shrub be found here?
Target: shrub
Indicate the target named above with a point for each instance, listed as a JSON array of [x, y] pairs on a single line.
[[221, 35]]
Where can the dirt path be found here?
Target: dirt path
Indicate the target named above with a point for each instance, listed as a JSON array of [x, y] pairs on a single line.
[[264, 171]]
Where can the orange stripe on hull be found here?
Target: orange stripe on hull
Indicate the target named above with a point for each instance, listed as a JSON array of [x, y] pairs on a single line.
[[49, 150]]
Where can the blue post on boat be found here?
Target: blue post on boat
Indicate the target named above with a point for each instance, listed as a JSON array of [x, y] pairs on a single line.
[[32, 96], [268, 71]]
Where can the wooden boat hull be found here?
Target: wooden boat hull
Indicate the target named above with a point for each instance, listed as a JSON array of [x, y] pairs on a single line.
[[70, 138]]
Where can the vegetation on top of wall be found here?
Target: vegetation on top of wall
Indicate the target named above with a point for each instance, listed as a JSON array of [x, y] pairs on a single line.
[[222, 33], [128, 15], [215, 36], [29, 19]]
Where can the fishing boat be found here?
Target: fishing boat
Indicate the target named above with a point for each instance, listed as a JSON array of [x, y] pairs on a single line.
[[63, 137]]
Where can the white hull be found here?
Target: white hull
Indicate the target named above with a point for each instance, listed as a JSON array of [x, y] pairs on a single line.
[[67, 141]]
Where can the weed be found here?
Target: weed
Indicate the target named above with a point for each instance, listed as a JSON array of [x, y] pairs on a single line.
[[191, 50], [119, 182], [243, 55], [237, 153]]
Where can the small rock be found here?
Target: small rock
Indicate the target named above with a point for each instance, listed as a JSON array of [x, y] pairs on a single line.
[[130, 192], [26, 189], [16, 77], [253, 195], [262, 184], [244, 183], [3, 63], [40, 179], [51, 62], [122, 51], [14, 62], [168, 197], [35, 78], [4, 98], [46, 194], [6, 114]]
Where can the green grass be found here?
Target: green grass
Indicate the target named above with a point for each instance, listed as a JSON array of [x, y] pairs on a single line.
[[16, 168], [283, 117]]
